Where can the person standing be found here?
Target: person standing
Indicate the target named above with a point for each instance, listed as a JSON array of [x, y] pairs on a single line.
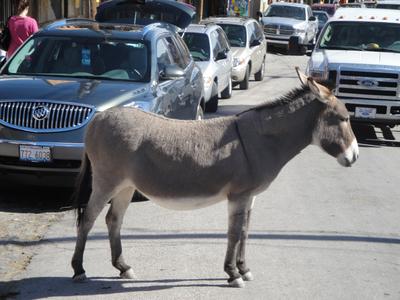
[[21, 27]]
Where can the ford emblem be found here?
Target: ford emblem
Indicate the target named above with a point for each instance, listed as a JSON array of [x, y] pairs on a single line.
[[368, 83], [40, 112]]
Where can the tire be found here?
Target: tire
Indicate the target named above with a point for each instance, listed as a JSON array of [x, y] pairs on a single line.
[[259, 76], [212, 104], [244, 85], [227, 92], [200, 113]]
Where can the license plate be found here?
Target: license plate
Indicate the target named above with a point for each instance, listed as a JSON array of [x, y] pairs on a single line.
[[365, 112], [34, 153]]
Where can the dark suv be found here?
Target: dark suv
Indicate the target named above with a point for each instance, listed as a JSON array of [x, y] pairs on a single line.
[[57, 81]]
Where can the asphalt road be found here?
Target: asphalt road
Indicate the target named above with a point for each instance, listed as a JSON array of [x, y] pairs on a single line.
[[320, 231]]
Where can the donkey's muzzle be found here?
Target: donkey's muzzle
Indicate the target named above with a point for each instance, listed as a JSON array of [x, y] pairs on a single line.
[[350, 155]]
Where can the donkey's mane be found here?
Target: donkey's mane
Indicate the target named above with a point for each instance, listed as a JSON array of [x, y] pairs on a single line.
[[284, 100]]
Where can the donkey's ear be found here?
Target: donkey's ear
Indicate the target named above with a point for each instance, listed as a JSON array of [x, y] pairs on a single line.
[[303, 78], [323, 94]]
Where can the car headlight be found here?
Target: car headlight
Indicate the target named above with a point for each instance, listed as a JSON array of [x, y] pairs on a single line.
[[321, 75], [143, 105], [207, 81], [238, 61], [299, 31]]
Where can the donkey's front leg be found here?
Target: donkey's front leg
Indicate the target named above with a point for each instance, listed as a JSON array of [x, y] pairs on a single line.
[[238, 207], [241, 256], [115, 215]]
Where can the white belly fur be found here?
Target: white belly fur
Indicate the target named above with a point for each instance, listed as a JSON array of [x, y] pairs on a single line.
[[188, 203]]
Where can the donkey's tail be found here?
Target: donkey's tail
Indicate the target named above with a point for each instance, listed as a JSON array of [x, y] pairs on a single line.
[[83, 189]]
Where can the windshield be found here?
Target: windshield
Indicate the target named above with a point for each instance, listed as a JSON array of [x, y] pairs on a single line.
[[236, 34], [198, 44], [322, 17], [82, 57], [363, 36], [329, 9], [282, 11], [388, 6]]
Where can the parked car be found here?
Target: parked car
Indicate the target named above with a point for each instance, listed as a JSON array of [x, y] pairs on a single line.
[[282, 20], [248, 46], [211, 51], [51, 88], [353, 5], [322, 18], [358, 52], [328, 8]]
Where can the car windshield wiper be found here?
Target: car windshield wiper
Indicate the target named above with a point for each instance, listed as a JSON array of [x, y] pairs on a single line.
[[342, 48], [382, 50]]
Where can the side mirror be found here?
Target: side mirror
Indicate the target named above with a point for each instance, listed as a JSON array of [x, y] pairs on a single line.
[[254, 43], [312, 18], [221, 55], [172, 72]]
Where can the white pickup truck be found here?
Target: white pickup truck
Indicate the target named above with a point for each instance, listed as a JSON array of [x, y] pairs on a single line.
[[358, 51]]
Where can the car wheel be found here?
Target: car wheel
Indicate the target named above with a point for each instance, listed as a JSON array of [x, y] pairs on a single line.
[[244, 85], [200, 113], [259, 76], [212, 104], [227, 92]]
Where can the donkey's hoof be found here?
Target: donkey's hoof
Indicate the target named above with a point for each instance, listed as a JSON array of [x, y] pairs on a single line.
[[248, 276], [79, 277], [128, 274], [237, 282]]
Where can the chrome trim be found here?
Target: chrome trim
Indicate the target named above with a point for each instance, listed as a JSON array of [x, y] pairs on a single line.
[[17, 114], [45, 144], [370, 92]]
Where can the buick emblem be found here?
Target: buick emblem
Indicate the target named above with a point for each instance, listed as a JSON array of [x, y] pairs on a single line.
[[368, 83], [40, 112]]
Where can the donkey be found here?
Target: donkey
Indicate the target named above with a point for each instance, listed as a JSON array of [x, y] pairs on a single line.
[[187, 165]]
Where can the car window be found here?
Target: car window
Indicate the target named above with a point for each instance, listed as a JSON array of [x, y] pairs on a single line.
[[309, 12], [82, 57], [215, 45], [184, 50], [199, 45], [163, 56], [236, 34], [222, 39], [175, 53], [365, 36], [285, 11], [258, 32]]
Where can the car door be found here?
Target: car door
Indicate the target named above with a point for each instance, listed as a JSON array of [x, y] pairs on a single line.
[[182, 104], [256, 55], [165, 90], [226, 63]]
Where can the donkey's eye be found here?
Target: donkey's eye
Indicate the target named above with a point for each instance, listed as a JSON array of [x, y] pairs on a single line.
[[344, 119]]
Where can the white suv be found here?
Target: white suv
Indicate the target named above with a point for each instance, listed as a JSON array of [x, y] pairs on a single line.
[[211, 51], [359, 52]]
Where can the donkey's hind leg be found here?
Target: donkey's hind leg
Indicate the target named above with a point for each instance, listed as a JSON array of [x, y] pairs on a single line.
[[100, 195], [115, 215], [241, 256], [238, 207]]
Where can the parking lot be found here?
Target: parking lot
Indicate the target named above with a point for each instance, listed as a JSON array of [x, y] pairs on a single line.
[[320, 232]]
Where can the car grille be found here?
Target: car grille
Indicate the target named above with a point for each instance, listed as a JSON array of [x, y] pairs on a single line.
[[278, 29], [368, 85], [44, 116]]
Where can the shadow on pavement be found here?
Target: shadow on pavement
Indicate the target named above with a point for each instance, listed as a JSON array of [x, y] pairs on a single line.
[[43, 287], [34, 199], [367, 136]]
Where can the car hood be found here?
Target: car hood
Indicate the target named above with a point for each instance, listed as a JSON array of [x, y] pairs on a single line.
[[322, 57], [282, 21], [99, 93], [173, 12], [239, 51]]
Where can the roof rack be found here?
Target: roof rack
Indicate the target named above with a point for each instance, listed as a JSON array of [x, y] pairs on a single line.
[[70, 21]]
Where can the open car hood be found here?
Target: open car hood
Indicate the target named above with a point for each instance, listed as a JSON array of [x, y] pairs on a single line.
[[144, 12]]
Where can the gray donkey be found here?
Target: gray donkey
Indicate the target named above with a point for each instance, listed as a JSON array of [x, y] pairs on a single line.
[[187, 165]]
